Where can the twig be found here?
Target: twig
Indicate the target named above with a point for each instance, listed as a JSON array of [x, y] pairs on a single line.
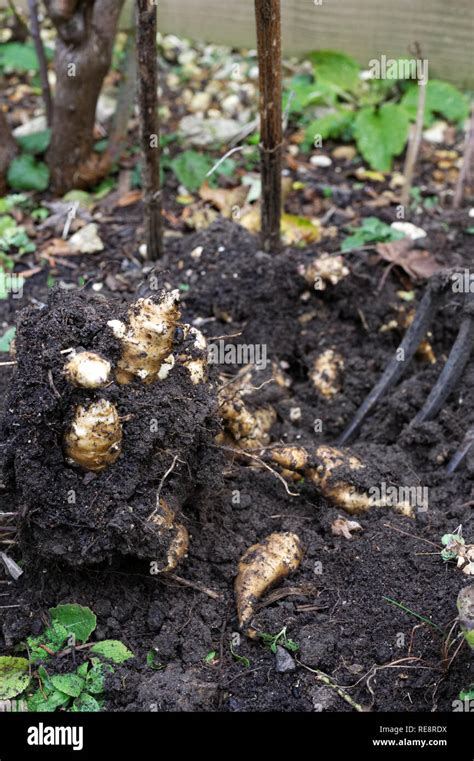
[[466, 162], [43, 65], [194, 585], [260, 461], [224, 157], [413, 536], [150, 128], [268, 20]]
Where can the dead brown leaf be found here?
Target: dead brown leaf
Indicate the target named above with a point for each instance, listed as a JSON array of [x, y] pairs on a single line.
[[417, 263], [129, 198], [224, 199]]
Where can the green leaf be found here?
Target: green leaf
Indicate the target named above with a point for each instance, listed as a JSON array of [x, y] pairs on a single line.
[[8, 336], [14, 676], [83, 669], [37, 142], [95, 680], [381, 134], [152, 661], [442, 99], [76, 619], [329, 126], [338, 69], [9, 202], [18, 56], [467, 694], [85, 704], [25, 173], [113, 650], [70, 684], [41, 704], [53, 638], [372, 230], [190, 168]]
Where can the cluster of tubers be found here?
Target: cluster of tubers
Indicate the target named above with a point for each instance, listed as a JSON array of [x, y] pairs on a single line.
[[93, 440], [248, 424]]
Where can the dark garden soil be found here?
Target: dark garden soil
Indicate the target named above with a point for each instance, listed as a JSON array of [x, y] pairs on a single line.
[[335, 606]]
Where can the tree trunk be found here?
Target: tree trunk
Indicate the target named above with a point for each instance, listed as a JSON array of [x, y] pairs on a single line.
[[149, 126], [267, 14], [86, 33], [8, 149]]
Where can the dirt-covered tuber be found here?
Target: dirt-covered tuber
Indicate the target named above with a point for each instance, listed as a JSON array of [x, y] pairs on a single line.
[[93, 440], [147, 340], [260, 567], [86, 369], [247, 424], [333, 471], [326, 373]]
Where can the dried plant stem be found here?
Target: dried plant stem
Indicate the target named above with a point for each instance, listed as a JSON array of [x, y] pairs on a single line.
[[148, 107], [43, 66], [466, 162], [414, 144], [126, 97], [268, 20], [325, 679]]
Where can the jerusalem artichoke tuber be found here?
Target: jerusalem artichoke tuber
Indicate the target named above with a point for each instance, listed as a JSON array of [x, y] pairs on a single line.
[[87, 370], [261, 566], [94, 438]]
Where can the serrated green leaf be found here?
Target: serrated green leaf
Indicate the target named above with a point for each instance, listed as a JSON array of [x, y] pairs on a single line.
[[372, 230], [14, 676], [83, 669], [381, 134], [76, 619], [25, 173], [442, 99], [95, 681], [37, 142], [113, 650], [70, 684], [85, 704], [53, 638], [38, 703], [338, 69], [190, 168], [18, 56], [329, 126]]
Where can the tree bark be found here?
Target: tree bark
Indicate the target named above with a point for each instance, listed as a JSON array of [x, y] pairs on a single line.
[[86, 33], [8, 150], [149, 126], [267, 14]]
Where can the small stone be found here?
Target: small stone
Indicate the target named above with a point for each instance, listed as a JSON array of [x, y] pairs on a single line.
[[344, 152], [283, 661], [295, 414], [436, 133], [320, 161], [86, 240], [200, 102], [409, 229]]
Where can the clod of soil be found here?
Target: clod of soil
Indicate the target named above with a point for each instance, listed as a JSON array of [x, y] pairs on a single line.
[[88, 465]]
